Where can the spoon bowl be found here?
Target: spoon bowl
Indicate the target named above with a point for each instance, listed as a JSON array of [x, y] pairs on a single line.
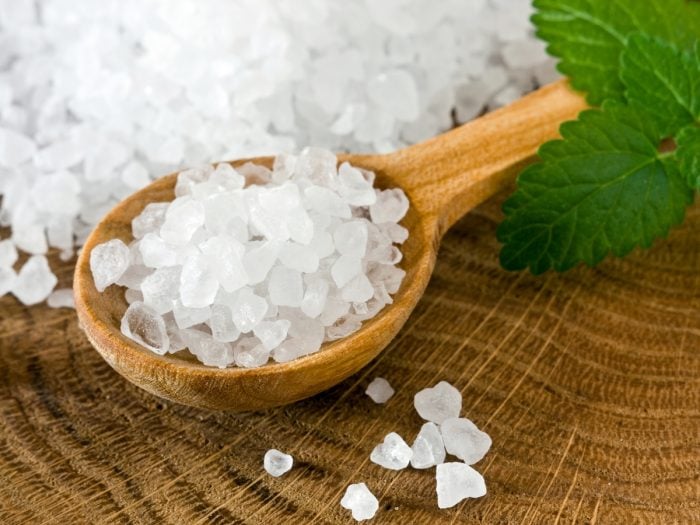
[[444, 178]]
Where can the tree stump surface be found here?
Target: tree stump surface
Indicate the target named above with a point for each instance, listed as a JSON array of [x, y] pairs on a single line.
[[588, 383]]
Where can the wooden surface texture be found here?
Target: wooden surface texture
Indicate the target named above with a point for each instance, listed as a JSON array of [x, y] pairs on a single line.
[[588, 383]]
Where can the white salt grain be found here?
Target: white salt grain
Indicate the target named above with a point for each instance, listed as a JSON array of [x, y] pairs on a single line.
[[428, 448], [108, 261], [393, 453], [8, 254], [441, 402], [456, 482], [277, 463], [145, 326], [360, 501], [379, 390], [62, 298], [463, 439]]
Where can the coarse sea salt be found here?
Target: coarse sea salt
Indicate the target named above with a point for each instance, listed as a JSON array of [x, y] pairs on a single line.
[[379, 390], [241, 275], [277, 463], [360, 501], [96, 103]]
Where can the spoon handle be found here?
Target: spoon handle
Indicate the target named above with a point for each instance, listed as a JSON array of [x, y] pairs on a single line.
[[449, 175]]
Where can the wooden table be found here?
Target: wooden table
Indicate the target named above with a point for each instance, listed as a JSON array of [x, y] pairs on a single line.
[[588, 382]]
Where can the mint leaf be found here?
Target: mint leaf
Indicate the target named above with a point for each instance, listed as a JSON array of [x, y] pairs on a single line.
[[688, 154], [663, 81], [589, 36], [603, 188]]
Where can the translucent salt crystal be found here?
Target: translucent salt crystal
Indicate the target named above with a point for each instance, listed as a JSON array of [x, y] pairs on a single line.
[[358, 290], [135, 176], [226, 177], [149, 220], [155, 252], [31, 239], [247, 309], [428, 448], [134, 276], [285, 287], [254, 173], [350, 238], [395, 92], [62, 298], [221, 323], [281, 199], [271, 225], [391, 206], [322, 243], [259, 259], [345, 268], [187, 317], [60, 155], [326, 201], [436, 404], [145, 326], [354, 186], [298, 257], [343, 328], [277, 463], [15, 148], [456, 482], [252, 357], [57, 193], [393, 453], [182, 218], [8, 278], [198, 282], [300, 226], [394, 232], [463, 439], [222, 210], [360, 501], [271, 333], [161, 288], [333, 309], [525, 53], [188, 179], [206, 349], [131, 296], [390, 276], [8, 254], [316, 164], [314, 300], [225, 256], [379, 390], [108, 261]]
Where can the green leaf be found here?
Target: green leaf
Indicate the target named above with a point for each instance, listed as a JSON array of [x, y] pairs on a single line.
[[603, 188], [663, 81], [688, 154], [589, 36]]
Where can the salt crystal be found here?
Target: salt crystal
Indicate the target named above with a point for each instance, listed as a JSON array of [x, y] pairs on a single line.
[[391, 206], [314, 299], [145, 326], [285, 287], [15, 148], [225, 255], [155, 252], [328, 202], [351, 238], [393, 453], [8, 254], [31, 239], [345, 268], [428, 448], [360, 501], [298, 257], [182, 218], [62, 298], [8, 278], [150, 219], [395, 91], [251, 357], [248, 310], [221, 323], [441, 402], [135, 176], [259, 259], [161, 288], [198, 283], [271, 333], [358, 290], [206, 349], [277, 463], [463, 439], [456, 482], [379, 390], [108, 261], [186, 317]]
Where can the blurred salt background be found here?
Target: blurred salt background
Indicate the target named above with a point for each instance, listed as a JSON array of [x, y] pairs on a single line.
[[98, 98]]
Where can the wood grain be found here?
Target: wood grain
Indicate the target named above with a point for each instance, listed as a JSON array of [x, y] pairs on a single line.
[[588, 382]]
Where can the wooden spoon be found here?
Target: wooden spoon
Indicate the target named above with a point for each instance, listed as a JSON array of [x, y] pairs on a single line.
[[444, 178]]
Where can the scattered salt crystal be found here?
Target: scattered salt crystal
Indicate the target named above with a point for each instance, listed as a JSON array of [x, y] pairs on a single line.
[[277, 463], [8, 254], [463, 439], [360, 501], [379, 390], [108, 261], [393, 453], [31, 239], [428, 448], [456, 482], [441, 402], [145, 326], [62, 298], [8, 278], [15, 148]]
